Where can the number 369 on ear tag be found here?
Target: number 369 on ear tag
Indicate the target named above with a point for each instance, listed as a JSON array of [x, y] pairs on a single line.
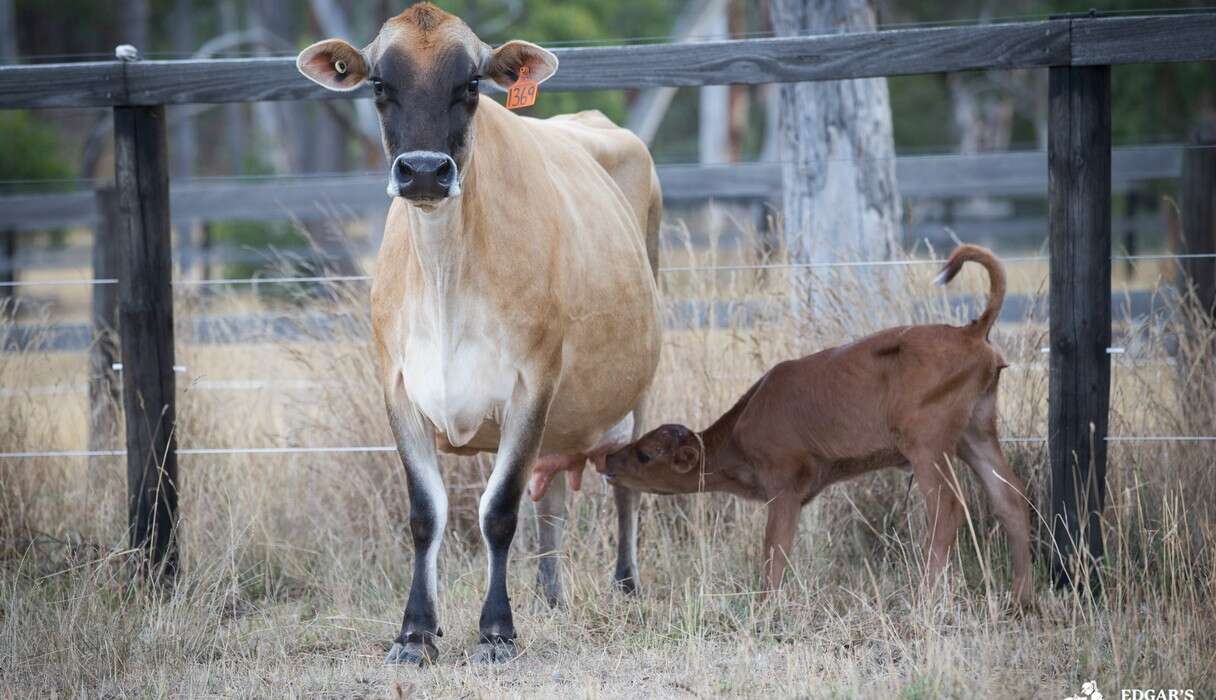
[[523, 92]]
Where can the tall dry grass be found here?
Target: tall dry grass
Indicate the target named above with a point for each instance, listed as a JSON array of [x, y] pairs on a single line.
[[295, 567]]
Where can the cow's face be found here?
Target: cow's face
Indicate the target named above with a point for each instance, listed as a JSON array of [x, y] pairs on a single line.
[[424, 67], [665, 460]]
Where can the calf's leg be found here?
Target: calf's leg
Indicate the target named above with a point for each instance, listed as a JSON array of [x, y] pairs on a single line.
[[944, 510], [428, 516], [982, 450], [779, 537]]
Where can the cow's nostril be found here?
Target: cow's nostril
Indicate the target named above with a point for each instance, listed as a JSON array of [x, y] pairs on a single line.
[[445, 172], [404, 171]]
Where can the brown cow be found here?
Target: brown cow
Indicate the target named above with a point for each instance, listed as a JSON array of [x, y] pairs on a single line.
[[514, 305], [909, 396]]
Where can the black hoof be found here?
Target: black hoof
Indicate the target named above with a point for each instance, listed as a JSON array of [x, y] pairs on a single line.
[[625, 584], [412, 653], [494, 650]]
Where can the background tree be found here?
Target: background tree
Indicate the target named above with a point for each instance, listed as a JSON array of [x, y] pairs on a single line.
[[840, 200]]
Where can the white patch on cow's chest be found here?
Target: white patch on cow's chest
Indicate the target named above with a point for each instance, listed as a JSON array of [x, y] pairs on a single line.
[[458, 378]]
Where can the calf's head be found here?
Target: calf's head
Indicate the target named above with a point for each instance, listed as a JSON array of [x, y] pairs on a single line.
[[668, 459], [424, 69]]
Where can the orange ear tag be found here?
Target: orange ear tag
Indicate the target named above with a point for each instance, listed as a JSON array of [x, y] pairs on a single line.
[[523, 92]]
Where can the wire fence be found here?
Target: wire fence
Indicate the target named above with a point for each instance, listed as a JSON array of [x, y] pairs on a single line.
[[373, 449], [329, 279]]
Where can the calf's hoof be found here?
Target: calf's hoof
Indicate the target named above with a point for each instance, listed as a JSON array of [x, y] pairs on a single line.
[[419, 653], [493, 650]]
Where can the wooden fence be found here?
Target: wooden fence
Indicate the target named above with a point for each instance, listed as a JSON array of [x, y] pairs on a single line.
[[1012, 174], [1077, 52]]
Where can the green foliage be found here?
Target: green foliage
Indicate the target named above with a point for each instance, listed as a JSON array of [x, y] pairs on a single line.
[[29, 150], [920, 112], [572, 23]]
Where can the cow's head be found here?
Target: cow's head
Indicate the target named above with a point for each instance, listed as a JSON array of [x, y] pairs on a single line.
[[424, 68], [668, 459]]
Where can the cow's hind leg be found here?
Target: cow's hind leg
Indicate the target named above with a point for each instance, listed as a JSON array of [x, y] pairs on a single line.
[[625, 578], [550, 520], [428, 517], [498, 513]]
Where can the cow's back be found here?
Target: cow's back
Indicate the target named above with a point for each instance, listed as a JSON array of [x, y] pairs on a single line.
[[619, 152]]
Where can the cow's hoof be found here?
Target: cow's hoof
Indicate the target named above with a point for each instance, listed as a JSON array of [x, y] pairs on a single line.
[[412, 653], [625, 584], [494, 651]]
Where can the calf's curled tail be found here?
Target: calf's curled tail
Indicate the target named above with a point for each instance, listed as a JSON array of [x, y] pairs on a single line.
[[996, 281]]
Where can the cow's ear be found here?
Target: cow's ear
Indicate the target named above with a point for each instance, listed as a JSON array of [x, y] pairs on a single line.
[[333, 64], [503, 64]]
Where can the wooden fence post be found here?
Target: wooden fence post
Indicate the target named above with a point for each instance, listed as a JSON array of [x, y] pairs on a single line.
[[146, 327], [1199, 215], [1079, 186], [8, 263], [104, 390]]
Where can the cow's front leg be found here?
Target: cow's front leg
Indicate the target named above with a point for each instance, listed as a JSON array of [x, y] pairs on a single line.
[[428, 516], [499, 509]]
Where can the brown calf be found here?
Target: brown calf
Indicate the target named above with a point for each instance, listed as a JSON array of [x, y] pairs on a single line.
[[916, 396]]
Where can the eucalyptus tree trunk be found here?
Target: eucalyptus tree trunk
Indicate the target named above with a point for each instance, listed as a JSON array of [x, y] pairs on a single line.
[[840, 200]]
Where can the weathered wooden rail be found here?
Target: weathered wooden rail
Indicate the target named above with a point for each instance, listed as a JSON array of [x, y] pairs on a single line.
[[1077, 52], [1013, 174]]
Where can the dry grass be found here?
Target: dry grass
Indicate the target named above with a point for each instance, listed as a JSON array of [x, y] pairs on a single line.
[[296, 566]]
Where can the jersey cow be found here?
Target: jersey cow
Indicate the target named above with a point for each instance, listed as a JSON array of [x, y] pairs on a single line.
[[514, 305]]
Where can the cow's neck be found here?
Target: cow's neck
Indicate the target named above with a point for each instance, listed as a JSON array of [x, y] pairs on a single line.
[[438, 242], [443, 235]]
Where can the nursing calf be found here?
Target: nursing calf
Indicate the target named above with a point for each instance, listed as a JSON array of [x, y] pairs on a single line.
[[916, 396]]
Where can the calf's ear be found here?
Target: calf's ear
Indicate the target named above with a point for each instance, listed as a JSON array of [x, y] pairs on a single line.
[[684, 459], [333, 64], [503, 64]]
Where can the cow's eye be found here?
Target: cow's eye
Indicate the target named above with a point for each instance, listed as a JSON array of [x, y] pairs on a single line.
[[377, 87], [474, 84], [643, 457]]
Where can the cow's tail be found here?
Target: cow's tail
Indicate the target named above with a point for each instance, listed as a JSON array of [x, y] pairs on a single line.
[[996, 281], [654, 222]]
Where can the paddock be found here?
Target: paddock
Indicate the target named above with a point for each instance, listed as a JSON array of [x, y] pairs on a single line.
[[1106, 413]]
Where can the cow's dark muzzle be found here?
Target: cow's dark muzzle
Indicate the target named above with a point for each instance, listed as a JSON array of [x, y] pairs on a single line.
[[424, 176]]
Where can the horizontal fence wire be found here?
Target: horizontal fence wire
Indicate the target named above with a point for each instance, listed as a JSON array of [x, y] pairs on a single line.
[[59, 283], [364, 449], [662, 270]]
